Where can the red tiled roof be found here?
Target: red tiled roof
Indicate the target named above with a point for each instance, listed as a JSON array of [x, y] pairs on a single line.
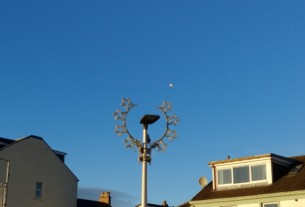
[[285, 182]]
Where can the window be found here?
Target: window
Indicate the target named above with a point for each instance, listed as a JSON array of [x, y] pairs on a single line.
[[224, 177], [242, 174], [270, 205], [296, 169], [258, 172], [38, 190]]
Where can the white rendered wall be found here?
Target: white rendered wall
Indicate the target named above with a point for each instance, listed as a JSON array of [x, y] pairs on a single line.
[[32, 160], [293, 203]]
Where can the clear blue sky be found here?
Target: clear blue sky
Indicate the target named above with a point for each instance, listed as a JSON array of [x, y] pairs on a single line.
[[238, 69]]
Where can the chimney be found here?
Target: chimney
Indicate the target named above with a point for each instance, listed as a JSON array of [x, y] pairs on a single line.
[[105, 198]]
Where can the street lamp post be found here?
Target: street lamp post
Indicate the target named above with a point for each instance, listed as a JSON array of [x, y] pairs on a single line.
[[145, 147], [145, 152]]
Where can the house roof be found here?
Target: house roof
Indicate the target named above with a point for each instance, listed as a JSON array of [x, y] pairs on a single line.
[[164, 204], [5, 142], [90, 203], [287, 180]]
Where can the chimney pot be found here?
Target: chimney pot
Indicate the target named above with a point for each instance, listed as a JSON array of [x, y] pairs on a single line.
[[164, 204], [105, 198]]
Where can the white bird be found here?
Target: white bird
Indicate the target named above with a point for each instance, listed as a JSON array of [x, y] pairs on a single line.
[[171, 85]]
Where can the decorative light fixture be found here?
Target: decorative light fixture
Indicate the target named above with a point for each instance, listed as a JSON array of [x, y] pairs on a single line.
[[145, 147]]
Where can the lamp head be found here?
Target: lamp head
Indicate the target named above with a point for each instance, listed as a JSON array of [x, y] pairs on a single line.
[[149, 119]]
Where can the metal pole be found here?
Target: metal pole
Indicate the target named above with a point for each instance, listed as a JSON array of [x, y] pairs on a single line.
[[144, 166]]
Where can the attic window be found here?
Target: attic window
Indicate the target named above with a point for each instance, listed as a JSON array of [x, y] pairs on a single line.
[[224, 176], [241, 174]]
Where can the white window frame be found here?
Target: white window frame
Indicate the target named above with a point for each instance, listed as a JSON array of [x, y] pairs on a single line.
[[239, 167], [242, 183], [265, 204], [224, 176], [255, 165]]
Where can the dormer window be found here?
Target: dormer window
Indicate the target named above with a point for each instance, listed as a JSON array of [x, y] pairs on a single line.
[[224, 176], [241, 174], [247, 171], [258, 172]]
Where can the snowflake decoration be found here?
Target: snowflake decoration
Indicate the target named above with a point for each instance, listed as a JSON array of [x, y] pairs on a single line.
[[131, 142]]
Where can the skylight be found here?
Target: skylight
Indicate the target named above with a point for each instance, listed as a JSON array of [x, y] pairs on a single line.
[[295, 169]]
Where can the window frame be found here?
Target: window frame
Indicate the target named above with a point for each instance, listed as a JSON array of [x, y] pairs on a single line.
[[250, 174], [257, 165], [238, 171], [224, 176], [272, 203], [38, 190]]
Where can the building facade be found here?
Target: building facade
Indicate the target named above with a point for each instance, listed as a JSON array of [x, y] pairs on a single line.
[[34, 175], [266, 180]]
